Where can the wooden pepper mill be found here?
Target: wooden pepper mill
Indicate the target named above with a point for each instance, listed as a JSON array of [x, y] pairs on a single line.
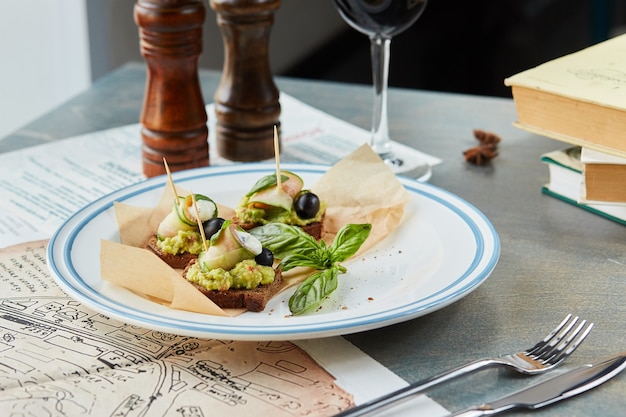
[[246, 102], [173, 115]]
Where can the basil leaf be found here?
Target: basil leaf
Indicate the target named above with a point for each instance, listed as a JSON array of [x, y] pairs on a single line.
[[313, 290], [293, 260], [294, 247], [348, 241], [283, 239], [265, 182]]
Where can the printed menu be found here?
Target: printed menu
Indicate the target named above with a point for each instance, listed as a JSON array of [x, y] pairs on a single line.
[[43, 185], [59, 357]]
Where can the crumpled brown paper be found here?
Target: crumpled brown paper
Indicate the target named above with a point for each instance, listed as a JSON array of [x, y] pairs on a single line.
[[131, 266], [143, 272], [360, 188]]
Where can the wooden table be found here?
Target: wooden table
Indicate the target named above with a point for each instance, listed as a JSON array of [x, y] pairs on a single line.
[[555, 258]]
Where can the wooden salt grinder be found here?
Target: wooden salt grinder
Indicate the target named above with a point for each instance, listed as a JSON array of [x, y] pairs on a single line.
[[173, 114], [246, 101]]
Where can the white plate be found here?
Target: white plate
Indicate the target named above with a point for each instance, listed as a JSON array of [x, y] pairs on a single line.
[[443, 249]]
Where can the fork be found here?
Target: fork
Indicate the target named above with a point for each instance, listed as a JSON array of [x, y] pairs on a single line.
[[543, 356]]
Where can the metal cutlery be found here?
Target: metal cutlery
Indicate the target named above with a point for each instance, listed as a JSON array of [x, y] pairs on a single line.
[[543, 356], [552, 390]]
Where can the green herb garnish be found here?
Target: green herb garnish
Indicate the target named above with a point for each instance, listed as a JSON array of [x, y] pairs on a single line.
[[294, 247], [266, 182]]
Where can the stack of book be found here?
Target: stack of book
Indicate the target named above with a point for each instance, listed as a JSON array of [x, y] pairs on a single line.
[[568, 175], [580, 99]]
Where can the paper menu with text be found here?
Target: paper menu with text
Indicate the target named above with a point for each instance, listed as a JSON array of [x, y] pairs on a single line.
[[61, 358], [43, 185], [61, 355]]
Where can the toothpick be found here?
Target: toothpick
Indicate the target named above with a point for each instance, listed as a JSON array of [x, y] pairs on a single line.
[[169, 177], [195, 207], [277, 158]]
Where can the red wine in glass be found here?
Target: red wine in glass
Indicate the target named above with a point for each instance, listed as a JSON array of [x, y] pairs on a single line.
[[380, 20]]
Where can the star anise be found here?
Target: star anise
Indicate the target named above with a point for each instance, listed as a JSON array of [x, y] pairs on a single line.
[[487, 139], [486, 151], [479, 155]]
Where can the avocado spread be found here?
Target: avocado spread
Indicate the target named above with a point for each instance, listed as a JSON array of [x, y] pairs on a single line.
[[246, 274], [274, 215], [185, 241]]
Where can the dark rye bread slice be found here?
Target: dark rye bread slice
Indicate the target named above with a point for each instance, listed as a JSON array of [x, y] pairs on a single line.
[[252, 300], [175, 261], [314, 229]]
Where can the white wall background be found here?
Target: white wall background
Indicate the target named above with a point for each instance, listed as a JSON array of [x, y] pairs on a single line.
[[45, 58], [51, 50]]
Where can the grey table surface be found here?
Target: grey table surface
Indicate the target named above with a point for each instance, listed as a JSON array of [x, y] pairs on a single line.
[[555, 258]]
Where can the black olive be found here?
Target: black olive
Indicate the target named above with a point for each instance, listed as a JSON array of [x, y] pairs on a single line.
[[265, 258], [306, 204], [212, 226]]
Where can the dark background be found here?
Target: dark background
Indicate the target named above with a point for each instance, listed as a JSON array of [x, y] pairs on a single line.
[[471, 46]]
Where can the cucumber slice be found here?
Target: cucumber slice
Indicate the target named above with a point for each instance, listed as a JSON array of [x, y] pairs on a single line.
[[291, 183], [182, 216], [272, 197], [179, 209], [228, 247], [226, 261], [265, 193], [206, 208], [186, 213]]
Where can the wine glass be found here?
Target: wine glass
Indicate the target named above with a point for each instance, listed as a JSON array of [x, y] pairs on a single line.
[[381, 20]]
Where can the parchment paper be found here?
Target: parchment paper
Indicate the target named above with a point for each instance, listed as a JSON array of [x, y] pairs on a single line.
[[358, 189]]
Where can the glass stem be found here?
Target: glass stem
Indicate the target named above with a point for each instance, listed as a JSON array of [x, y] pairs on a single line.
[[380, 76]]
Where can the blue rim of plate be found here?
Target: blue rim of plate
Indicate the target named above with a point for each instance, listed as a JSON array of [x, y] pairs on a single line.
[[69, 279]]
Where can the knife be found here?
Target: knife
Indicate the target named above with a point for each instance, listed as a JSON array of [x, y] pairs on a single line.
[[552, 390]]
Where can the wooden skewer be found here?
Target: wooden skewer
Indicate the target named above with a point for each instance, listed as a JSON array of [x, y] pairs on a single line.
[[277, 158], [171, 181], [195, 207]]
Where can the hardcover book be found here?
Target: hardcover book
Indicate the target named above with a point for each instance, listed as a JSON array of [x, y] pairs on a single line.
[[604, 177], [578, 98], [565, 170]]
